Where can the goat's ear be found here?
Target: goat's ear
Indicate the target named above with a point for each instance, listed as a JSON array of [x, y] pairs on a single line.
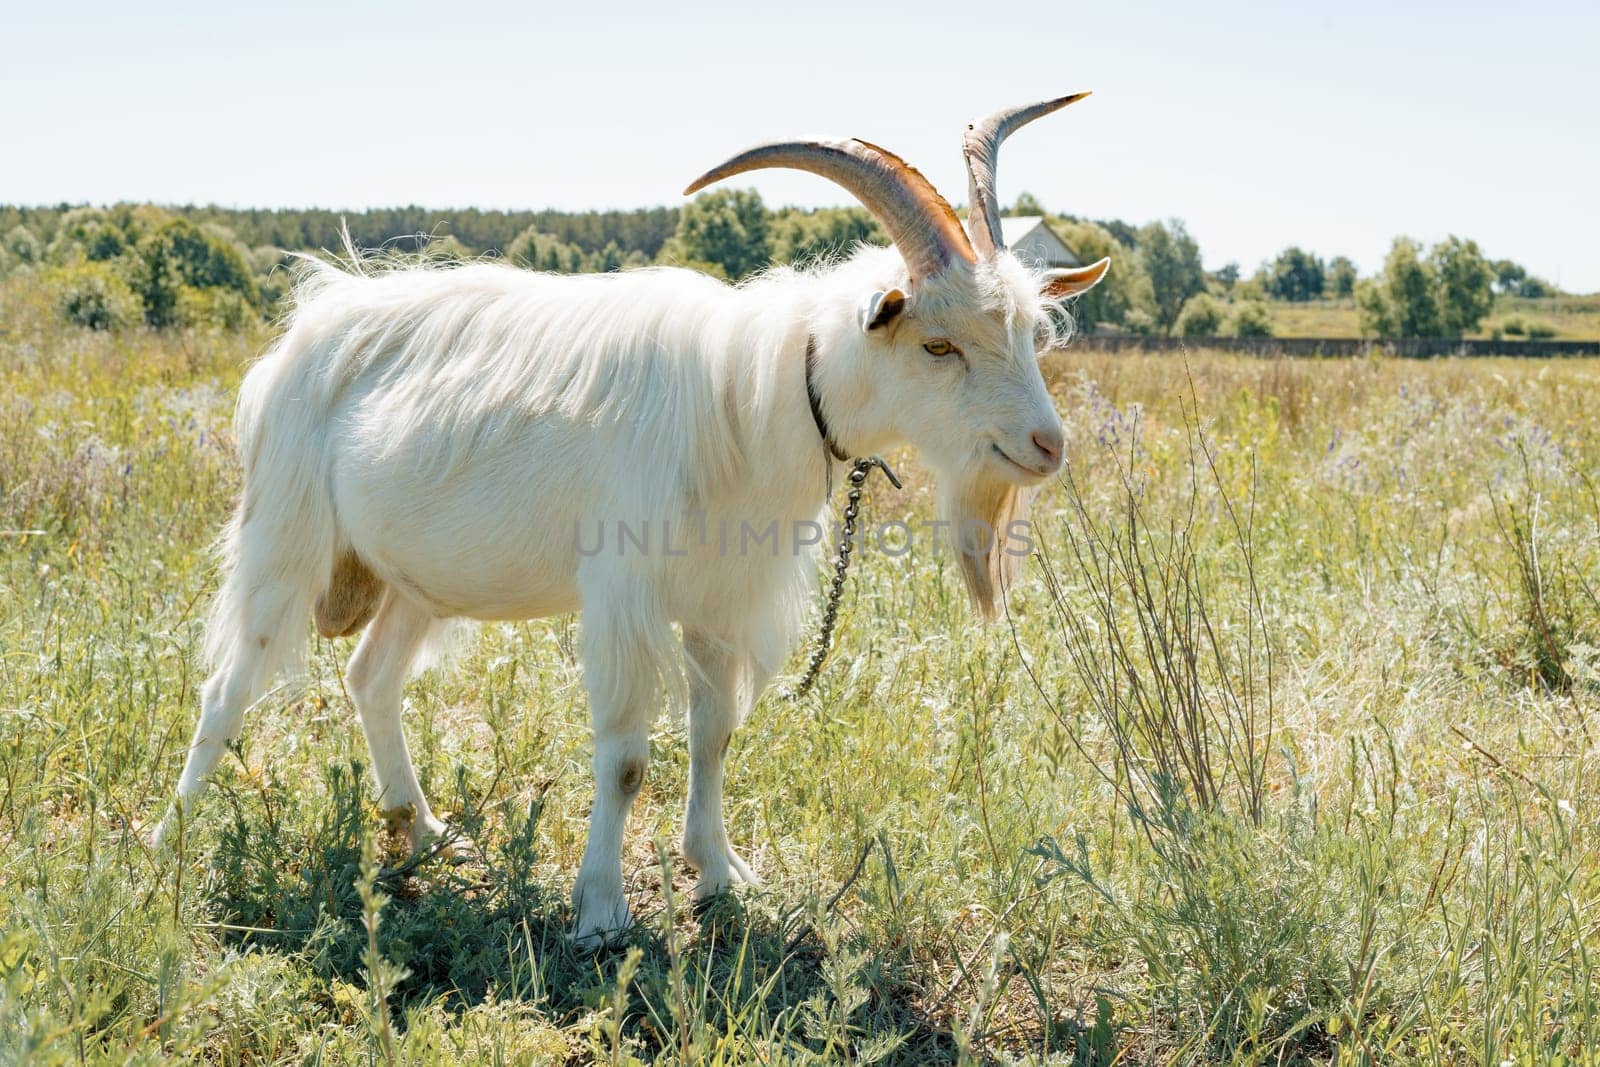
[[1060, 284], [880, 309]]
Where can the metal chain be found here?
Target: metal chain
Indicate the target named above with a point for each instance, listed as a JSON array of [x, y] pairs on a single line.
[[841, 564]]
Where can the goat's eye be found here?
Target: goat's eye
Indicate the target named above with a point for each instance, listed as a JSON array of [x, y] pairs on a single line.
[[940, 347]]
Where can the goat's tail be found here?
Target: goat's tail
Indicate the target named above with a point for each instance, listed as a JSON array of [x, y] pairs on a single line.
[[278, 551]]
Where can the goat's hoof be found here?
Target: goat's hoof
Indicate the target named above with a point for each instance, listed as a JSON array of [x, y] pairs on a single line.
[[708, 889], [595, 936], [461, 851], [165, 832], [447, 844], [433, 832], [601, 919], [724, 910], [407, 832]]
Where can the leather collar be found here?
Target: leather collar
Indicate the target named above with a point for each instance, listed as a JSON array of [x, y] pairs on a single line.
[[816, 405]]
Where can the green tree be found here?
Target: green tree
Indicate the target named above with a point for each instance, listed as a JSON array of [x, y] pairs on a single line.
[[610, 258], [179, 254], [1171, 260], [445, 248], [86, 233], [1027, 204], [1403, 300], [1341, 279], [802, 237], [1508, 276], [1465, 285], [546, 252], [1228, 276], [1374, 314], [1201, 317], [138, 221], [1123, 291], [1296, 275], [724, 232]]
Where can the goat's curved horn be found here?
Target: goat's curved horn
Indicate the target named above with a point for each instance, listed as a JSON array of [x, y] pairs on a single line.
[[981, 145], [921, 223]]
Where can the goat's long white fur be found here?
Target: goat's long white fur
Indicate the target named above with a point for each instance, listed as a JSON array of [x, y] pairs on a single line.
[[456, 430], [487, 409]]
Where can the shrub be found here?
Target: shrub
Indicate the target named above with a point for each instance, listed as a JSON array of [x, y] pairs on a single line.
[[1540, 331], [1241, 913], [86, 233], [1252, 318], [94, 295], [22, 246], [1249, 941], [213, 308], [545, 252], [1140, 321], [1515, 327], [1201, 317], [178, 255]]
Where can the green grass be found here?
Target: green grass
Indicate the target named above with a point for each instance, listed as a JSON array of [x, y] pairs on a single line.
[[1569, 318], [1285, 754]]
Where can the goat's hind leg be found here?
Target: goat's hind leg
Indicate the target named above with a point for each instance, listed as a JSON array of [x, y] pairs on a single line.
[[253, 634], [376, 678]]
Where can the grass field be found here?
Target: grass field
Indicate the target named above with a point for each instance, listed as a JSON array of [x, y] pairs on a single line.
[[1286, 754], [1568, 318]]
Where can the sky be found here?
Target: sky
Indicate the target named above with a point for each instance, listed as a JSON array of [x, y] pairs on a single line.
[[1332, 127]]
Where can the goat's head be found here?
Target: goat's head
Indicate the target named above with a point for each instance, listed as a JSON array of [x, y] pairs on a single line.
[[953, 341]]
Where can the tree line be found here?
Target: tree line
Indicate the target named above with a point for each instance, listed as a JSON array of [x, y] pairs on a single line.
[[192, 266]]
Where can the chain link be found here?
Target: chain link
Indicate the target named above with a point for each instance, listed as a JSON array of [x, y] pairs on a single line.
[[841, 565]]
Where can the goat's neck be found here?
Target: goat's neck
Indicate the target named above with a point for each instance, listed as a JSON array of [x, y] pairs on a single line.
[[847, 394], [788, 467]]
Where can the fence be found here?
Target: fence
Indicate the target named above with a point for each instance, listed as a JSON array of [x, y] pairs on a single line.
[[1404, 347]]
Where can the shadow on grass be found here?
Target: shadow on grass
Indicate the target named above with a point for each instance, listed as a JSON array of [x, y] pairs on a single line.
[[284, 880]]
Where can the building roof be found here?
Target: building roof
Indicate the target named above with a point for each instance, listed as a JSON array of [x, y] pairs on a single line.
[[1032, 240]]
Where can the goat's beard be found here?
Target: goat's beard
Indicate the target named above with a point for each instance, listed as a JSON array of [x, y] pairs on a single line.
[[980, 512]]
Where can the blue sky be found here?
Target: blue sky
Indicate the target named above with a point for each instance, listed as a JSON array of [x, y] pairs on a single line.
[[1334, 127]]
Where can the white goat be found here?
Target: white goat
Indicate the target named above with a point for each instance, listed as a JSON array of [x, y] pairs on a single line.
[[427, 444]]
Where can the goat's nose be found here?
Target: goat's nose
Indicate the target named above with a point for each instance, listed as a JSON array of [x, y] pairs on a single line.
[[1050, 443]]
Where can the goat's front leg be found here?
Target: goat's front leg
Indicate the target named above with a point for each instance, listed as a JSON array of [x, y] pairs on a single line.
[[624, 685], [713, 713]]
